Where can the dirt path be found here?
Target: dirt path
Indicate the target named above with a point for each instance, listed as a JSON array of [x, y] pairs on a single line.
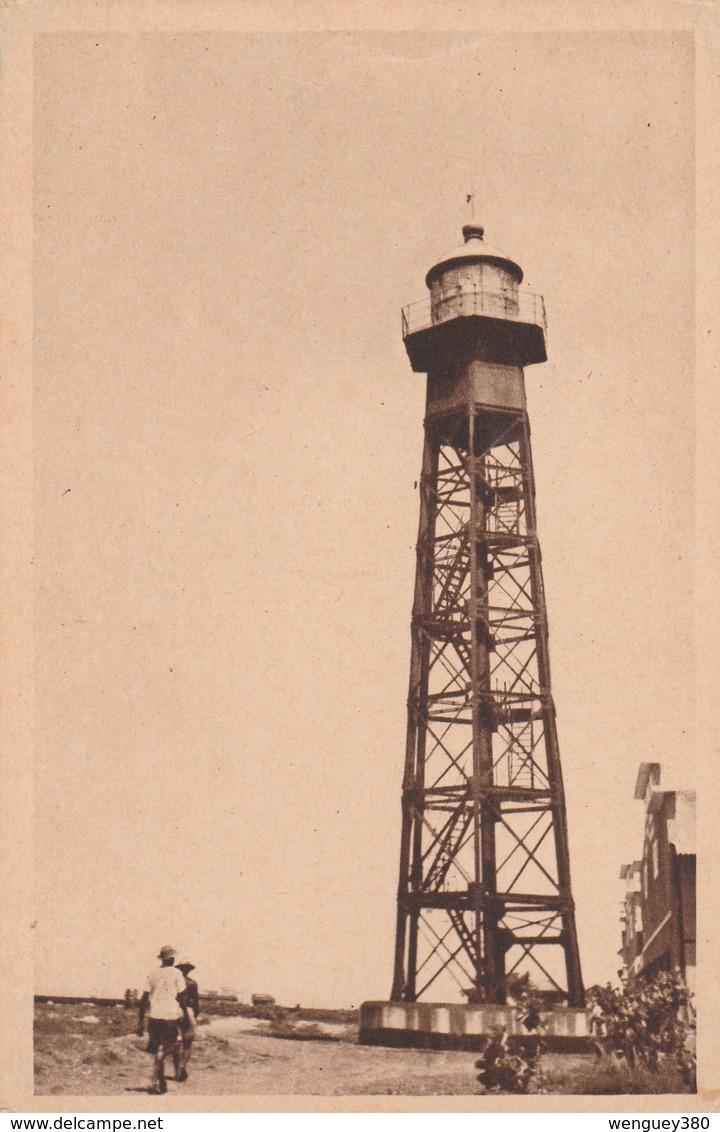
[[245, 1064], [87, 1051]]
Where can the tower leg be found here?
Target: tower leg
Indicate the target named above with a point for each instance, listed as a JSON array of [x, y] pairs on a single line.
[[404, 974]]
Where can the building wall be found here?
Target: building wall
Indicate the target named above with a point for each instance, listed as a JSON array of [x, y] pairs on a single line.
[[666, 897], [686, 868], [661, 949], [632, 932]]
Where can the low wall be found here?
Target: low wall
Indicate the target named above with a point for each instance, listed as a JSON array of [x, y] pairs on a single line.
[[436, 1025]]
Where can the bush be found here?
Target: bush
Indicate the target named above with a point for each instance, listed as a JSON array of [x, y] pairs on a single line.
[[508, 1064], [647, 1024]]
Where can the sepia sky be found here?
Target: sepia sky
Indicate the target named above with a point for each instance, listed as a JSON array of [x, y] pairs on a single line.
[[227, 438]]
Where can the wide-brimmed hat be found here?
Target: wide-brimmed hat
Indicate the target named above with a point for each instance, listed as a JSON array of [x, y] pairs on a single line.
[[166, 953], [185, 963]]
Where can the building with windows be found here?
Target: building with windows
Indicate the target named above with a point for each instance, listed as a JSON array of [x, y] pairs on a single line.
[[659, 906], [631, 920]]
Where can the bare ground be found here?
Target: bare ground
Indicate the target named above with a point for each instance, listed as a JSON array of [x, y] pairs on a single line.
[[88, 1050]]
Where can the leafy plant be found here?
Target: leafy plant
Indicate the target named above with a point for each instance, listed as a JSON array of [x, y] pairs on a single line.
[[648, 1023], [507, 1064]]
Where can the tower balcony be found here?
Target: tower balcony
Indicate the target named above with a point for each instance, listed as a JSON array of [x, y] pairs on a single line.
[[511, 324], [462, 301]]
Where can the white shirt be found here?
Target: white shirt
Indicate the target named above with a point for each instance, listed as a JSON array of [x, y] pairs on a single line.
[[163, 986]]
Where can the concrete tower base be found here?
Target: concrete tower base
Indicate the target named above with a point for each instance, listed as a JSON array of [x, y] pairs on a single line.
[[437, 1025]]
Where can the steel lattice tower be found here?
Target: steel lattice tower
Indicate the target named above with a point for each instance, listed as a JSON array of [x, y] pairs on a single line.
[[484, 888]]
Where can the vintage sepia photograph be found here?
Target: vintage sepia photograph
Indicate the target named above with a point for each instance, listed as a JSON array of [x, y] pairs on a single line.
[[363, 457]]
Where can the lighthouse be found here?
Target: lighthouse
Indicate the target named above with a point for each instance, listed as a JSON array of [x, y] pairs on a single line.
[[484, 901]]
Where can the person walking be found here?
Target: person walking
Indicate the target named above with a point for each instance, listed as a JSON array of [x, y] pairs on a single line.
[[187, 1022], [164, 1002]]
